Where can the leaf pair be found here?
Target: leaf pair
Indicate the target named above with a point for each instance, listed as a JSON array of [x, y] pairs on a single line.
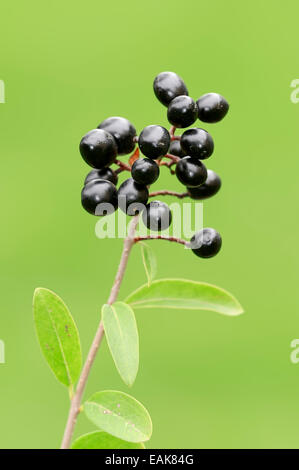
[[120, 324], [59, 339]]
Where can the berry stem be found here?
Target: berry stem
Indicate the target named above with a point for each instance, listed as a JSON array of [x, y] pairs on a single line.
[[122, 165], [171, 157], [161, 237], [169, 193], [76, 399], [172, 132]]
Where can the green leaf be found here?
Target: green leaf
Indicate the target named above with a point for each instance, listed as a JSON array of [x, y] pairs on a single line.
[[149, 261], [119, 414], [102, 440], [184, 294], [58, 335], [122, 337]]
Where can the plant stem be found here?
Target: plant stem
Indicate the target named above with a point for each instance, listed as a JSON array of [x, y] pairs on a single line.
[[161, 237], [76, 400], [169, 193], [122, 165]]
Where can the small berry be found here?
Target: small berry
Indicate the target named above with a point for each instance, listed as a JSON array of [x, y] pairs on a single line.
[[131, 197], [212, 107], [191, 172], [168, 85], [157, 216], [206, 243], [98, 148], [104, 174], [182, 111], [197, 143], [123, 132], [145, 171], [208, 189], [99, 197], [154, 141], [176, 149]]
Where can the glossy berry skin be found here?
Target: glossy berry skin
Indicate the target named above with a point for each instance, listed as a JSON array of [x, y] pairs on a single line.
[[154, 141], [208, 189], [182, 111], [212, 107], [197, 143], [104, 174], [145, 171], [191, 172], [176, 149], [131, 195], [123, 132], [98, 148], [99, 192], [157, 216], [206, 243], [167, 86]]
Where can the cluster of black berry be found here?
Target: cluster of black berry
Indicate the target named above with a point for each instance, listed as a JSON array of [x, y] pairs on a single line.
[[116, 136]]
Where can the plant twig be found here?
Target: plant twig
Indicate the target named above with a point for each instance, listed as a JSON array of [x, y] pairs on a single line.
[[169, 193], [76, 400], [161, 237], [173, 158], [172, 131], [122, 165]]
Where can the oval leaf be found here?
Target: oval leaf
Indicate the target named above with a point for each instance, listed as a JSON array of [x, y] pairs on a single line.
[[58, 335], [184, 294], [149, 261], [102, 440], [119, 414], [122, 337]]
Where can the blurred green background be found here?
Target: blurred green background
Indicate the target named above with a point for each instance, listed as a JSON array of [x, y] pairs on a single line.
[[208, 381]]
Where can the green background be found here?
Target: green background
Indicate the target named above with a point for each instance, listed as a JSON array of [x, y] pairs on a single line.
[[208, 381]]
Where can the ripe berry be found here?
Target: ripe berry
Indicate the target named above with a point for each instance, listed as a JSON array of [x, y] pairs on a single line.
[[145, 171], [123, 132], [104, 174], [206, 243], [208, 189], [168, 85], [154, 141], [197, 143], [191, 172], [212, 107], [182, 111], [131, 196], [99, 197], [176, 149], [157, 216], [98, 148]]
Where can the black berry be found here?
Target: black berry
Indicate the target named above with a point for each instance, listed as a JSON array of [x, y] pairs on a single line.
[[98, 148], [123, 132], [145, 171], [182, 111], [157, 216], [208, 189], [212, 107], [191, 172], [206, 243], [197, 143], [168, 85], [176, 149], [131, 197], [104, 174], [99, 197], [154, 141]]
